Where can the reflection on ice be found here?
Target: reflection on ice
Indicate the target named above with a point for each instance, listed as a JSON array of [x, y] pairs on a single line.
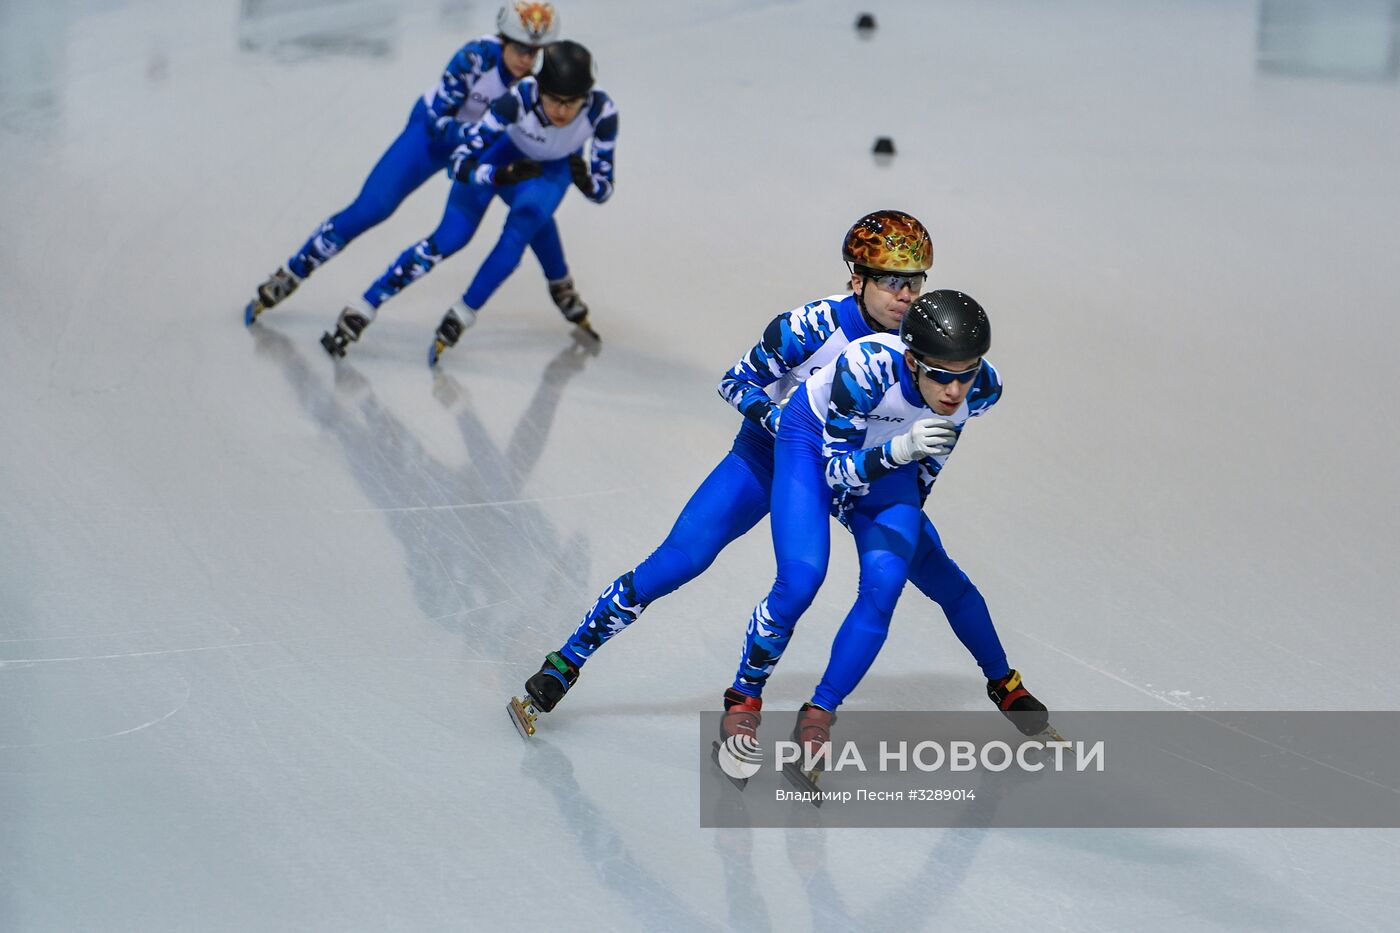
[[471, 540], [1356, 39], [33, 59], [293, 28]]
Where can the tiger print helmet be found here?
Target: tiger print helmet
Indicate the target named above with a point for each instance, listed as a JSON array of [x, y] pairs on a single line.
[[888, 241], [528, 23]]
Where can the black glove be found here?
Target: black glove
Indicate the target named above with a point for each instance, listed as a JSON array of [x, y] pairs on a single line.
[[464, 167], [583, 178], [516, 172]]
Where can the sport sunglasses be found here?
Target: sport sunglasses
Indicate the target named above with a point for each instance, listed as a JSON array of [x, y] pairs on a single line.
[[943, 376]]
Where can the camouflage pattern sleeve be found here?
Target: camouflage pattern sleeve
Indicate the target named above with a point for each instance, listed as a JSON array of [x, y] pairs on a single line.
[[985, 392], [602, 113], [471, 62], [864, 373], [928, 475], [475, 137], [790, 339]]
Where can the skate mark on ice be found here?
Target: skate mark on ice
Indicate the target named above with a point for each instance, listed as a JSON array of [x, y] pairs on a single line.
[[1223, 725], [456, 507], [113, 735], [165, 651], [1110, 675], [11, 641]]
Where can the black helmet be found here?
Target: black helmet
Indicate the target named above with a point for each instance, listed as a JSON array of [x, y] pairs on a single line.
[[946, 325], [567, 70]]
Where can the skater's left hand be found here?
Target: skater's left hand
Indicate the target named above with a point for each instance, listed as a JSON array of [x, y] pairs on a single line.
[[775, 413], [465, 166], [583, 178], [442, 128], [929, 437], [515, 172]]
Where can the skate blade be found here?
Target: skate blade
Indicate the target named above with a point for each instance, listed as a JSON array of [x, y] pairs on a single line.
[[521, 714], [585, 328], [804, 781], [1046, 736], [435, 352], [251, 312], [740, 783], [333, 347]]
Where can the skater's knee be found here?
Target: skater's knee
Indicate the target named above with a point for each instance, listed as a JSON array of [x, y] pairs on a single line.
[[668, 568], [882, 577], [376, 200], [944, 583], [700, 541], [448, 238], [374, 208], [795, 588], [525, 221], [968, 603]]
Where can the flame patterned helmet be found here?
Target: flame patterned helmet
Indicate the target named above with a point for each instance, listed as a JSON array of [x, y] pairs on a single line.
[[888, 241], [528, 23]]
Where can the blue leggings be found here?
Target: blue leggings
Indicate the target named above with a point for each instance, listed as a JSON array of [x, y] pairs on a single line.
[[885, 522], [731, 500], [410, 160], [532, 205], [935, 575]]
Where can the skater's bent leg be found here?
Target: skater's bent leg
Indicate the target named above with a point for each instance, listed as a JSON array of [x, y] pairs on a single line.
[[885, 525], [728, 503], [465, 207], [773, 620], [731, 500], [549, 250], [935, 574], [801, 545], [532, 204], [400, 171]]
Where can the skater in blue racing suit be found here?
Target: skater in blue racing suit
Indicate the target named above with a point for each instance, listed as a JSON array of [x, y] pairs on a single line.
[[865, 438], [888, 253]]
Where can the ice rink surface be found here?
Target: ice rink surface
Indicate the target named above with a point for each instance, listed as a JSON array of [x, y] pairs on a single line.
[[260, 612]]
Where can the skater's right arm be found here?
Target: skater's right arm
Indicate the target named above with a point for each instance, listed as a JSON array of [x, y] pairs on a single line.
[[474, 138], [865, 372], [594, 175], [789, 341], [472, 60]]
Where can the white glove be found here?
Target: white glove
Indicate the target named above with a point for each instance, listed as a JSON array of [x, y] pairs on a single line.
[[787, 396], [929, 437], [777, 411]]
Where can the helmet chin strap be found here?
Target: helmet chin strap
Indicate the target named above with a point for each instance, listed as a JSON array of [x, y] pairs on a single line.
[[870, 322]]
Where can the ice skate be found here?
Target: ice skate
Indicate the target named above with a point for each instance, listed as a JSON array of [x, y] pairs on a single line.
[[543, 692], [567, 300], [812, 733], [278, 286], [348, 327], [457, 319], [738, 737], [1026, 713]]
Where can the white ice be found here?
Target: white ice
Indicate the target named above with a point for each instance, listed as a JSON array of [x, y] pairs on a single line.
[[260, 613]]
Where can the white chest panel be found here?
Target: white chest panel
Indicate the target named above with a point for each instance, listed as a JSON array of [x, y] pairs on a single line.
[[893, 414], [543, 141]]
